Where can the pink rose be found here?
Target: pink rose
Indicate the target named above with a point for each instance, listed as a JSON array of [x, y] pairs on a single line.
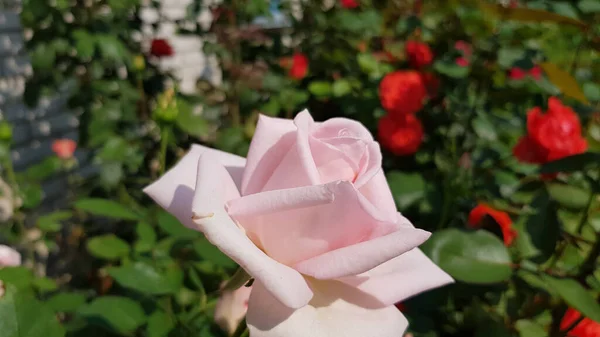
[[231, 308], [310, 217], [9, 257]]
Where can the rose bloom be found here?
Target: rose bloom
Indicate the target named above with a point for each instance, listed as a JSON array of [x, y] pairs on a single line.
[[536, 72], [464, 47], [476, 220], [462, 61], [161, 48], [310, 217], [349, 3], [401, 135], [402, 92], [552, 135], [297, 65], [585, 328], [64, 148], [516, 74], [231, 308], [9, 257], [418, 54]]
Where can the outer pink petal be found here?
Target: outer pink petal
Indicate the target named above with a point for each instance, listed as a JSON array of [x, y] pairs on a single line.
[[301, 223], [335, 310], [378, 192], [364, 256], [398, 279], [272, 139], [174, 190], [208, 206]]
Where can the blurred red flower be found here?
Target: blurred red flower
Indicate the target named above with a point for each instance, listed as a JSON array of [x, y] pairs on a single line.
[[161, 48], [418, 54], [516, 73], [536, 72], [501, 218], [64, 148], [585, 328], [463, 62], [464, 47], [550, 136], [402, 92], [297, 65], [402, 134], [349, 3]]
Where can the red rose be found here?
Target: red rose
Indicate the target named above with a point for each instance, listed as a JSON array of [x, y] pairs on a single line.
[[349, 4], [462, 61], [464, 47], [552, 135], [402, 92], [516, 74], [585, 328], [402, 135], [161, 48], [501, 218], [297, 65], [64, 148], [536, 72], [418, 54]]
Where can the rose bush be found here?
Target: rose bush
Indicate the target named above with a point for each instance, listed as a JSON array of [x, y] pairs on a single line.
[[310, 217]]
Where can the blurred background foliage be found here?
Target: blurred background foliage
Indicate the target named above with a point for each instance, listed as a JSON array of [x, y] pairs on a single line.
[[522, 237]]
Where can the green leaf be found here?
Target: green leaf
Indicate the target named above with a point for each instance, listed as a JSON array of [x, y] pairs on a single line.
[[146, 237], [121, 314], [170, 225], [190, 120], [576, 296], [569, 196], [209, 252], [578, 162], [108, 247], [484, 128], [66, 302], [51, 222], [564, 81], [529, 328], [450, 69], [107, 208], [24, 316], [43, 58], [371, 66], [589, 6], [524, 14], [341, 88], [271, 108], [320, 88], [84, 43], [159, 324], [20, 277], [407, 188], [111, 47], [473, 257], [592, 90], [543, 226], [44, 284], [147, 279]]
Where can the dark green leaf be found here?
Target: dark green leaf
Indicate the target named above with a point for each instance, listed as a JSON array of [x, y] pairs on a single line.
[[568, 196], [23, 316], [107, 208], [451, 69], [578, 162], [146, 237], [108, 247], [66, 302], [543, 226], [20, 277], [121, 314], [159, 324], [148, 279], [407, 189], [52, 222], [576, 296], [473, 257]]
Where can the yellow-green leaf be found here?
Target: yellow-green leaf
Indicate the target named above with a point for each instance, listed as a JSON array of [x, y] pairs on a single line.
[[530, 15], [564, 81]]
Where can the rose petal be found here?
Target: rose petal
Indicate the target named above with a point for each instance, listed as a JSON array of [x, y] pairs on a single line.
[[175, 189], [335, 310], [400, 278], [378, 192], [272, 139], [363, 256], [293, 225], [208, 206]]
